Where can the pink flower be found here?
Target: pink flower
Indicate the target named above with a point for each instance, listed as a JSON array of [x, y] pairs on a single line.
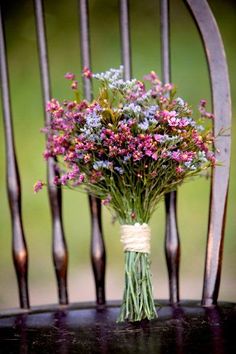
[[52, 105], [69, 76], [165, 154], [158, 137], [74, 85], [137, 155], [107, 200], [184, 122], [87, 73], [173, 122], [179, 169], [183, 156], [176, 155], [64, 179], [81, 178], [168, 87], [203, 103], [211, 157], [47, 154], [56, 181], [152, 77], [167, 115], [38, 186], [148, 152], [74, 173], [202, 110], [58, 113], [154, 156], [209, 115], [153, 174], [87, 158], [71, 105]]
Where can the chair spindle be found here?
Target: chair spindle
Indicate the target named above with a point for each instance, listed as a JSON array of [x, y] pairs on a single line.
[[172, 242], [125, 38], [98, 253], [19, 248], [59, 246]]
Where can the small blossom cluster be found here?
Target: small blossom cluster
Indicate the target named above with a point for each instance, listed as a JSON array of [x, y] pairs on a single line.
[[129, 146]]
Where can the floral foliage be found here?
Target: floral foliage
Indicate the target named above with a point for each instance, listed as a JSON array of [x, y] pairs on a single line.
[[129, 146]]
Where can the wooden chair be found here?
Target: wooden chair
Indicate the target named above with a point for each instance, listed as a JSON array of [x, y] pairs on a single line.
[[182, 326]]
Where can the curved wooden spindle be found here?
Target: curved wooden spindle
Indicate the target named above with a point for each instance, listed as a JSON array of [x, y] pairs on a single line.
[[125, 38], [98, 253], [172, 247], [59, 246], [172, 242], [220, 176], [19, 248]]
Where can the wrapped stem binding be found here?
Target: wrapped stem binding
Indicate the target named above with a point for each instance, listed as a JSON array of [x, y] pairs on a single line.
[[138, 301]]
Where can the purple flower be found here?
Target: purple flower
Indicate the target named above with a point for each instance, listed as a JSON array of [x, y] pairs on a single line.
[[119, 170], [144, 125]]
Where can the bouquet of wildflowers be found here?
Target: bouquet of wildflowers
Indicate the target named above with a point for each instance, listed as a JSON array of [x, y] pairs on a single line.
[[129, 146]]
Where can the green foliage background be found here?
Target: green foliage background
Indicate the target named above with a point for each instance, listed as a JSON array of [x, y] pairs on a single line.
[[189, 72]]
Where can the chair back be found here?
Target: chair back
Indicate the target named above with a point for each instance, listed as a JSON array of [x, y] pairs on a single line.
[[219, 82]]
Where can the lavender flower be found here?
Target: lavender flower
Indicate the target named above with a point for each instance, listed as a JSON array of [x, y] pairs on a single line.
[[119, 170], [144, 125], [102, 164]]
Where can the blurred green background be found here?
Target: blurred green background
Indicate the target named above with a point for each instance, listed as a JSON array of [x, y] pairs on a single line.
[[189, 72]]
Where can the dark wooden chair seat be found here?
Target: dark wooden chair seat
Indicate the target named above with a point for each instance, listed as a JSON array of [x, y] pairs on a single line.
[[82, 328], [187, 327]]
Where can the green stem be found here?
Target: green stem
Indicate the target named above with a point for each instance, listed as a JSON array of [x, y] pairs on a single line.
[[138, 302]]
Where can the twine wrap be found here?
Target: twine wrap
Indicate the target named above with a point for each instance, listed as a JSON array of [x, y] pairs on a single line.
[[136, 237]]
